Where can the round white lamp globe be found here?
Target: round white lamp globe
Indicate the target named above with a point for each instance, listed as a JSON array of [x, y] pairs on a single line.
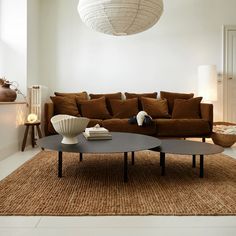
[[32, 118], [119, 17]]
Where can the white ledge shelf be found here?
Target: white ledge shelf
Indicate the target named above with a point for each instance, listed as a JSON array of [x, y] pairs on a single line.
[[12, 103]]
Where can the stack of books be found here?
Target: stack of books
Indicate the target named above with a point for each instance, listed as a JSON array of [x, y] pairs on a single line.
[[97, 133]]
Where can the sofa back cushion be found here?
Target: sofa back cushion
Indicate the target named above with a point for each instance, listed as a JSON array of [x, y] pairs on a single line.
[[187, 109], [170, 97], [80, 95], [124, 108], [139, 96], [108, 97], [156, 108], [94, 109], [65, 105]]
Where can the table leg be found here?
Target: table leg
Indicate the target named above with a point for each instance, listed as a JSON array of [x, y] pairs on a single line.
[[162, 160], [125, 167], [194, 161], [33, 137], [39, 131], [132, 158], [201, 166], [25, 138], [59, 164], [81, 157]]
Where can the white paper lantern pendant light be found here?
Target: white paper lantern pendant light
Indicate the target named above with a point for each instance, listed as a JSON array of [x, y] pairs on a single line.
[[120, 17]]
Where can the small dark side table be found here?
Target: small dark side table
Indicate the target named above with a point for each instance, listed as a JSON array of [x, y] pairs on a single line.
[[185, 147], [27, 127]]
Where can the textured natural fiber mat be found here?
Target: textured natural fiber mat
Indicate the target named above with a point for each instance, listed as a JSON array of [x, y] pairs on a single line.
[[95, 186]]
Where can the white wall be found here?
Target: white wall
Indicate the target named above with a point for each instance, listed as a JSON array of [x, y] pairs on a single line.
[[13, 41], [13, 26], [12, 118], [32, 42], [166, 57]]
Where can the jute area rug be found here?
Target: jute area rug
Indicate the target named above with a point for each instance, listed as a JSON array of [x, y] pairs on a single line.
[[95, 186]]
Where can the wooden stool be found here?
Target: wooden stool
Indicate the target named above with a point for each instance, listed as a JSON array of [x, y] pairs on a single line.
[[28, 125]]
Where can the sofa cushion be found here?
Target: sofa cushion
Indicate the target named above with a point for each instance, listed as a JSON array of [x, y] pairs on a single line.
[[139, 96], [80, 95], [122, 125], [108, 97], [156, 108], [172, 96], [94, 109], [124, 108], [93, 122], [187, 109], [182, 127], [65, 105]]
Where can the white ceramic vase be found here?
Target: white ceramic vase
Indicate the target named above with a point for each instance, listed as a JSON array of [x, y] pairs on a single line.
[[69, 127]]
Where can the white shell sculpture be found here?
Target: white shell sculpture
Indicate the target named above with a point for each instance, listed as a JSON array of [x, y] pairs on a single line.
[[140, 117], [69, 127], [120, 17]]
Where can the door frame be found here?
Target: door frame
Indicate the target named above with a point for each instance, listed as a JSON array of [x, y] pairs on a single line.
[[226, 29]]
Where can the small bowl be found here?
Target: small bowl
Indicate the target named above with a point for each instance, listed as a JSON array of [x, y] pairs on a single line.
[[224, 140], [69, 127]]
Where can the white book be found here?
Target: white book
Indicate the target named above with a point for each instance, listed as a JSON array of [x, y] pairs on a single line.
[[93, 130], [103, 137], [98, 135]]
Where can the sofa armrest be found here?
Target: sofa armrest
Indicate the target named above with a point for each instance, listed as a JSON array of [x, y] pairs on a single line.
[[49, 113], [207, 113]]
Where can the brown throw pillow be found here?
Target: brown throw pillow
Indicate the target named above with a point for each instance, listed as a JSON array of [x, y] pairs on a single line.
[[172, 96], [94, 109], [65, 105], [187, 109], [108, 97], [156, 108], [81, 95], [139, 96], [124, 108]]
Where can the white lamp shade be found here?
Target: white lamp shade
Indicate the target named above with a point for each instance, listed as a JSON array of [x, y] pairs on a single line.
[[207, 82], [32, 118], [120, 17]]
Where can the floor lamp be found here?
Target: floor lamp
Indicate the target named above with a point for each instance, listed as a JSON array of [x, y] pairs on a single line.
[[207, 82]]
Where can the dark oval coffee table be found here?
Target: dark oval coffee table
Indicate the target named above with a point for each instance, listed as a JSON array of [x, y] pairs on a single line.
[[185, 147], [120, 143]]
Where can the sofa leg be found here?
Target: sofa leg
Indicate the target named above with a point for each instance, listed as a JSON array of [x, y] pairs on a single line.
[[203, 139]]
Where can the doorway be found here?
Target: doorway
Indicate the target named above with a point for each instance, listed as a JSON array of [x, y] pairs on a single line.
[[229, 79]]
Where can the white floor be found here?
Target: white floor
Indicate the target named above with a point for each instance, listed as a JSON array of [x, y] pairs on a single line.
[[147, 225]]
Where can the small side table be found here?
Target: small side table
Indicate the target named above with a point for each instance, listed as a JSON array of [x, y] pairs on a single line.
[[27, 126]]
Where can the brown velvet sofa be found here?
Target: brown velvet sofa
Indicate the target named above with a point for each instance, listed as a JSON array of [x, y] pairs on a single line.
[[161, 127]]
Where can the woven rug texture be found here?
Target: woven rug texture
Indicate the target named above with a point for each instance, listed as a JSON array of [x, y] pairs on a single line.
[[95, 186]]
